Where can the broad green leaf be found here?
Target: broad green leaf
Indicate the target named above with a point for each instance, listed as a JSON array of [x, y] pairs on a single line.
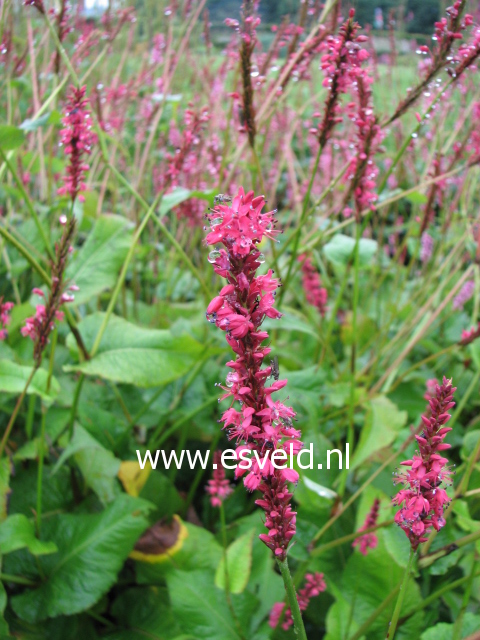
[[200, 606], [10, 137], [13, 378], [444, 630], [340, 250], [174, 198], [98, 465], [239, 564], [17, 532], [91, 552], [143, 612], [383, 422], [134, 355], [292, 321], [95, 267]]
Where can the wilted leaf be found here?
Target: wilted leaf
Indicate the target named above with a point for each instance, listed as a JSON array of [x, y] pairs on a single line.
[[160, 542], [133, 477]]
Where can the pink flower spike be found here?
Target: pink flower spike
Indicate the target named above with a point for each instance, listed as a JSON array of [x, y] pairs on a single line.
[[422, 499], [262, 424]]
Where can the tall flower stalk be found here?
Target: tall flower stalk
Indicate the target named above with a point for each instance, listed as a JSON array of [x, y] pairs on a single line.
[[423, 497], [261, 424]]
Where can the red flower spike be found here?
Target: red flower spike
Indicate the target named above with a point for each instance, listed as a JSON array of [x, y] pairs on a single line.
[[422, 500], [369, 540], [77, 139], [218, 487], [314, 585], [262, 424]]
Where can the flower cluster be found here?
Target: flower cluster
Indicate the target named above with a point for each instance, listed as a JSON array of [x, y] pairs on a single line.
[[362, 170], [5, 308], [38, 4], [340, 63], [262, 424], [39, 326], [218, 487], [426, 247], [447, 32], [77, 139], [314, 585], [316, 294], [368, 540], [464, 295], [422, 500], [469, 335]]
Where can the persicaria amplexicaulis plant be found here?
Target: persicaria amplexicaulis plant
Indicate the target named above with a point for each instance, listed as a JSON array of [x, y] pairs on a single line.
[[423, 497], [40, 326], [314, 585], [368, 540], [312, 284], [77, 138], [260, 424], [5, 308], [218, 487]]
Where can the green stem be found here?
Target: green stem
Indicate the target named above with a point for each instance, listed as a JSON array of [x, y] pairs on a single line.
[[73, 412], [306, 203], [371, 619], [8, 577], [292, 599], [122, 275], [41, 446], [398, 607], [13, 417], [28, 204]]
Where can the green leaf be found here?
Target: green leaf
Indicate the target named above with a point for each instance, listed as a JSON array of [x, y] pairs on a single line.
[[383, 422], [415, 197], [17, 532], [341, 248], [444, 631], [13, 378], [34, 124], [134, 355], [174, 198], [98, 466], [91, 552], [361, 588], [10, 137], [143, 612], [323, 492], [239, 564], [200, 607], [96, 266]]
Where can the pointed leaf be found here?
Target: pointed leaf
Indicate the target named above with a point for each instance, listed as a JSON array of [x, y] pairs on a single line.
[[239, 564], [91, 552]]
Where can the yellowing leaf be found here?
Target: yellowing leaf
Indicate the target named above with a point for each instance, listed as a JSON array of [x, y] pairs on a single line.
[[132, 477], [160, 542]]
